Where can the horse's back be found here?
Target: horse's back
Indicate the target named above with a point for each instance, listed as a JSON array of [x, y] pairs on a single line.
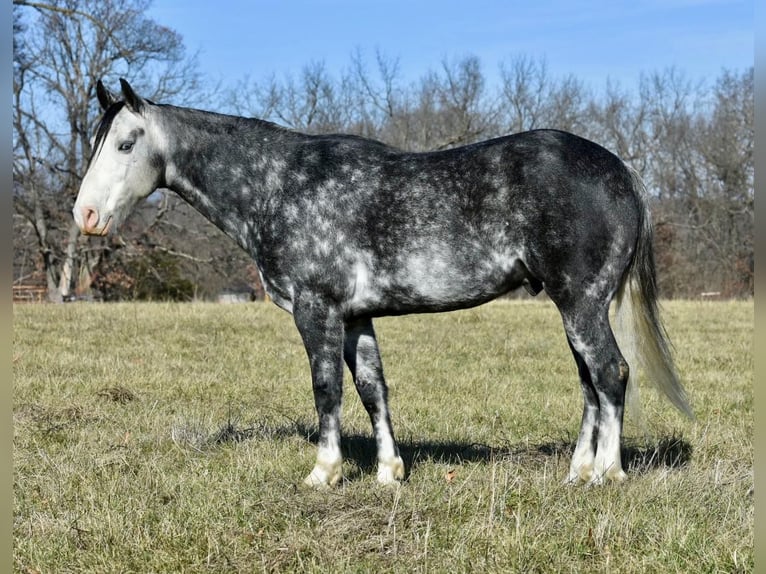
[[394, 232]]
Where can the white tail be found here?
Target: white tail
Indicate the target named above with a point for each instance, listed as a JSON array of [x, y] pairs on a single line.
[[640, 332]]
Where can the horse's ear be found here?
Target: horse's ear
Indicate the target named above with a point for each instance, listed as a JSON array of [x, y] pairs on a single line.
[[105, 97], [132, 99]]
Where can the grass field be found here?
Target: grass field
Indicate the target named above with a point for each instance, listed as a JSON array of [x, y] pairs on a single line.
[[174, 438]]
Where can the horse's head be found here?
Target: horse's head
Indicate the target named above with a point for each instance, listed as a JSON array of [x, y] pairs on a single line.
[[125, 165]]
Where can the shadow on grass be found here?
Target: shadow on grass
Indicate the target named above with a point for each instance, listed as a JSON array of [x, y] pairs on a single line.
[[665, 452], [668, 452]]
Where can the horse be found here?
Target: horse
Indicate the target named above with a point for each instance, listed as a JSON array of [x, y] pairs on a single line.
[[344, 229]]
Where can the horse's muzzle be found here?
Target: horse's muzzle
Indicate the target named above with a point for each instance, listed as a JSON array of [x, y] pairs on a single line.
[[89, 221]]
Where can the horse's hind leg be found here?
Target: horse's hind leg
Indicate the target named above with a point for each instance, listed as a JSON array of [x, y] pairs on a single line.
[[363, 359], [604, 377], [584, 456]]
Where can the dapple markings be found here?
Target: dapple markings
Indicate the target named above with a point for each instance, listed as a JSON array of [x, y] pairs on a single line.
[[344, 229]]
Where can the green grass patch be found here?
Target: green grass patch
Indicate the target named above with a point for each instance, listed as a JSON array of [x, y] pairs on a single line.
[[174, 438]]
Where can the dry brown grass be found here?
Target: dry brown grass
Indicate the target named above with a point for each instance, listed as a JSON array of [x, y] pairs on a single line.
[[173, 438]]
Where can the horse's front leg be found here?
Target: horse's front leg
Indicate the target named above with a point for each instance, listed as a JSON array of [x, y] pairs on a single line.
[[321, 326], [363, 359]]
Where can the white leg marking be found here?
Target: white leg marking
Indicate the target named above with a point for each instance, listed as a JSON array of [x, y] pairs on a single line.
[[608, 463], [390, 464], [328, 468], [582, 464]]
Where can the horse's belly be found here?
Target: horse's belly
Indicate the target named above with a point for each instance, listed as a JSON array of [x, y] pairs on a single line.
[[423, 282]]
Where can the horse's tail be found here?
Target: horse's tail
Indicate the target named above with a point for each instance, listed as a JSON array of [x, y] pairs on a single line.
[[643, 339]]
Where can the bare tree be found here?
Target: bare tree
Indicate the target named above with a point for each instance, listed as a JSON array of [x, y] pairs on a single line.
[[453, 106], [697, 143], [377, 99], [725, 143], [62, 48], [617, 120], [445, 108], [531, 98], [693, 144], [315, 102]]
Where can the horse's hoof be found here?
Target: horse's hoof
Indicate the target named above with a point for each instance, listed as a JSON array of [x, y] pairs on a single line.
[[324, 476], [579, 475], [610, 475], [391, 471]]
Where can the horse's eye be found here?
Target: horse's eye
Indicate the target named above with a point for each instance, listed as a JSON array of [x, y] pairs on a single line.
[[126, 146]]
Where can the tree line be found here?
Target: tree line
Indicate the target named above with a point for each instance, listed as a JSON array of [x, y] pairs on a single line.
[[692, 142]]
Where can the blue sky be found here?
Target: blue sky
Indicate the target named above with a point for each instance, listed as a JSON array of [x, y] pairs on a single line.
[[592, 40]]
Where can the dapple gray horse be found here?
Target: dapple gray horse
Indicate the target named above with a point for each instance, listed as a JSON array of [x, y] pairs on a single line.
[[344, 229]]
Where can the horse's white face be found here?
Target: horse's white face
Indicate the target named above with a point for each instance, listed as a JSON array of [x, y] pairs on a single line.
[[125, 166]]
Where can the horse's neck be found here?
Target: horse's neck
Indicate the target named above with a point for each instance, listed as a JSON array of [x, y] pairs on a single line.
[[224, 166]]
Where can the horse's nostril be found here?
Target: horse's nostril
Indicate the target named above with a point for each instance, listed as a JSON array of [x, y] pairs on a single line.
[[89, 217]]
